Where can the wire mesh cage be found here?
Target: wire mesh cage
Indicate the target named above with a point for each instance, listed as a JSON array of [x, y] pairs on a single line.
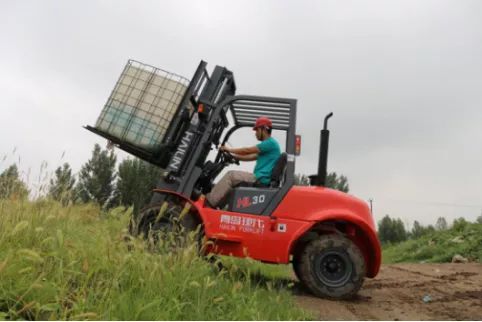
[[142, 105]]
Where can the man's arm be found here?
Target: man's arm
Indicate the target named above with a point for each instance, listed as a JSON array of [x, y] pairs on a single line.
[[241, 151], [246, 157]]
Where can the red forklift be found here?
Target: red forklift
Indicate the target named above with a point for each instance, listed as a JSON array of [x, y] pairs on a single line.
[[327, 235]]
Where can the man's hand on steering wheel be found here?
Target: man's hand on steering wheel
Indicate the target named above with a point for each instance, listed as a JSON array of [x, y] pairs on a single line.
[[227, 155], [224, 148]]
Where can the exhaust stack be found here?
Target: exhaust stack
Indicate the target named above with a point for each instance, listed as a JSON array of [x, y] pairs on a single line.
[[320, 178]]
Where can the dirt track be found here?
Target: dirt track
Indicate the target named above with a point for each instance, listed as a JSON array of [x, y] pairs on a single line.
[[397, 294]]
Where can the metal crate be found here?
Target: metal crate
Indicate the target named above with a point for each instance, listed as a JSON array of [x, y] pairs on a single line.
[[142, 105]]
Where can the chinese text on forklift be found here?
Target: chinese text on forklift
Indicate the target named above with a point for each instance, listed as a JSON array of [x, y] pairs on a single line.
[[173, 123]]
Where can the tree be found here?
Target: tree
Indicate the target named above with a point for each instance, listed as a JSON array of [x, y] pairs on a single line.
[[62, 186], [136, 181], [479, 219], [400, 234], [332, 181], [459, 224], [429, 229], [97, 177], [417, 230], [302, 180], [441, 224], [337, 182], [384, 229], [391, 230], [11, 186]]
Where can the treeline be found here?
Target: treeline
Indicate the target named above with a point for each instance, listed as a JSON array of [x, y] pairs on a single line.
[[100, 181], [333, 180], [391, 230]]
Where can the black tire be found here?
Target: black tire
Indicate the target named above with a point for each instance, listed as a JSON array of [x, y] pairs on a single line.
[[296, 265], [331, 266], [170, 225]]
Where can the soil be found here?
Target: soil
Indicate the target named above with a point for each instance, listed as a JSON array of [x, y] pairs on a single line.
[[451, 292]]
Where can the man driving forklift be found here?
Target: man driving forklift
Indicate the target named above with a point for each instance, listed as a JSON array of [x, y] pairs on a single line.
[[266, 155]]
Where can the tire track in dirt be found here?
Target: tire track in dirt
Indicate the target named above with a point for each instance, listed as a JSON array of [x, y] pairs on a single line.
[[397, 293]]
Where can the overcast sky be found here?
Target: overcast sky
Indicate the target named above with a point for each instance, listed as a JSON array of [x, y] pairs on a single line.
[[403, 79]]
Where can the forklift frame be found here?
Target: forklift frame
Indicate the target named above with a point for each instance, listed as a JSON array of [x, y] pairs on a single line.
[[189, 137]]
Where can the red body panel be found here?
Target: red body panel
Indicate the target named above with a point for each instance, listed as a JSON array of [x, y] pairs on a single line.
[[271, 239], [258, 237], [319, 204]]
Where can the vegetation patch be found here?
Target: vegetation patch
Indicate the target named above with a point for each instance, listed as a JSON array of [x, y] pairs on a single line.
[[73, 263], [439, 246]]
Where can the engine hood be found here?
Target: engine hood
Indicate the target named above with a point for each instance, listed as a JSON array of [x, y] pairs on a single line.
[[313, 203]]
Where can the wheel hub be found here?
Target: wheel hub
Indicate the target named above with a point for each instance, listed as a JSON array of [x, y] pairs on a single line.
[[333, 268]]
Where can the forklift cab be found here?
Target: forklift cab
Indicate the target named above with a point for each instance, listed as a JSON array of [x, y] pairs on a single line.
[[258, 199]]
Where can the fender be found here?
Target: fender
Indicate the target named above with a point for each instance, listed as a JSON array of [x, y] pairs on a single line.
[[196, 204], [372, 251]]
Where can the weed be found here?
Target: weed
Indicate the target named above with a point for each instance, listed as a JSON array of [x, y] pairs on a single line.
[[73, 263]]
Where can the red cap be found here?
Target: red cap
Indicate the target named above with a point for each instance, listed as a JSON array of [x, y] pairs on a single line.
[[263, 121]]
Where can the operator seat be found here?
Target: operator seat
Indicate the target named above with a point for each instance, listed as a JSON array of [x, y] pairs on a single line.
[[278, 172], [277, 175]]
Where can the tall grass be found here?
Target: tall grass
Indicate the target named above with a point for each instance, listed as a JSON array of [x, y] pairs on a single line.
[[439, 246], [73, 263]]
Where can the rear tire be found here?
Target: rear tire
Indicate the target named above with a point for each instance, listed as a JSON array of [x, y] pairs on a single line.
[[296, 266], [331, 266]]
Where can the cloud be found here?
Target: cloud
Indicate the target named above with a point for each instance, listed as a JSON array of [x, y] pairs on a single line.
[[401, 77]]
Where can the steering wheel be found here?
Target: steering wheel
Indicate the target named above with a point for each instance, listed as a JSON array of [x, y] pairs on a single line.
[[228, 157]]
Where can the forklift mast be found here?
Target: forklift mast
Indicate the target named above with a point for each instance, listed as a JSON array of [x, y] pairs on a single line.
[[191, 138]]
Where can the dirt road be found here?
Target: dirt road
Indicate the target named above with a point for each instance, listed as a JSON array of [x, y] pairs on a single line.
[[454, 293]]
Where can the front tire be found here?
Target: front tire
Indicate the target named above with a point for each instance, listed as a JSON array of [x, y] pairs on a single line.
[[331, 266], [167, 221]]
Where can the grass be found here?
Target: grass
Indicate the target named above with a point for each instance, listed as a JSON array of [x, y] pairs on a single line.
[[72, 263], [439, 246]]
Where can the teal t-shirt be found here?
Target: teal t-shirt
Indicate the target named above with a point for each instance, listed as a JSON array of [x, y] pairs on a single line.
[[269, 152]]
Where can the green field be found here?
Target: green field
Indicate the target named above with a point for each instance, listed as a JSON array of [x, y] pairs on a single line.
[[73, 263], [439, 246]]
